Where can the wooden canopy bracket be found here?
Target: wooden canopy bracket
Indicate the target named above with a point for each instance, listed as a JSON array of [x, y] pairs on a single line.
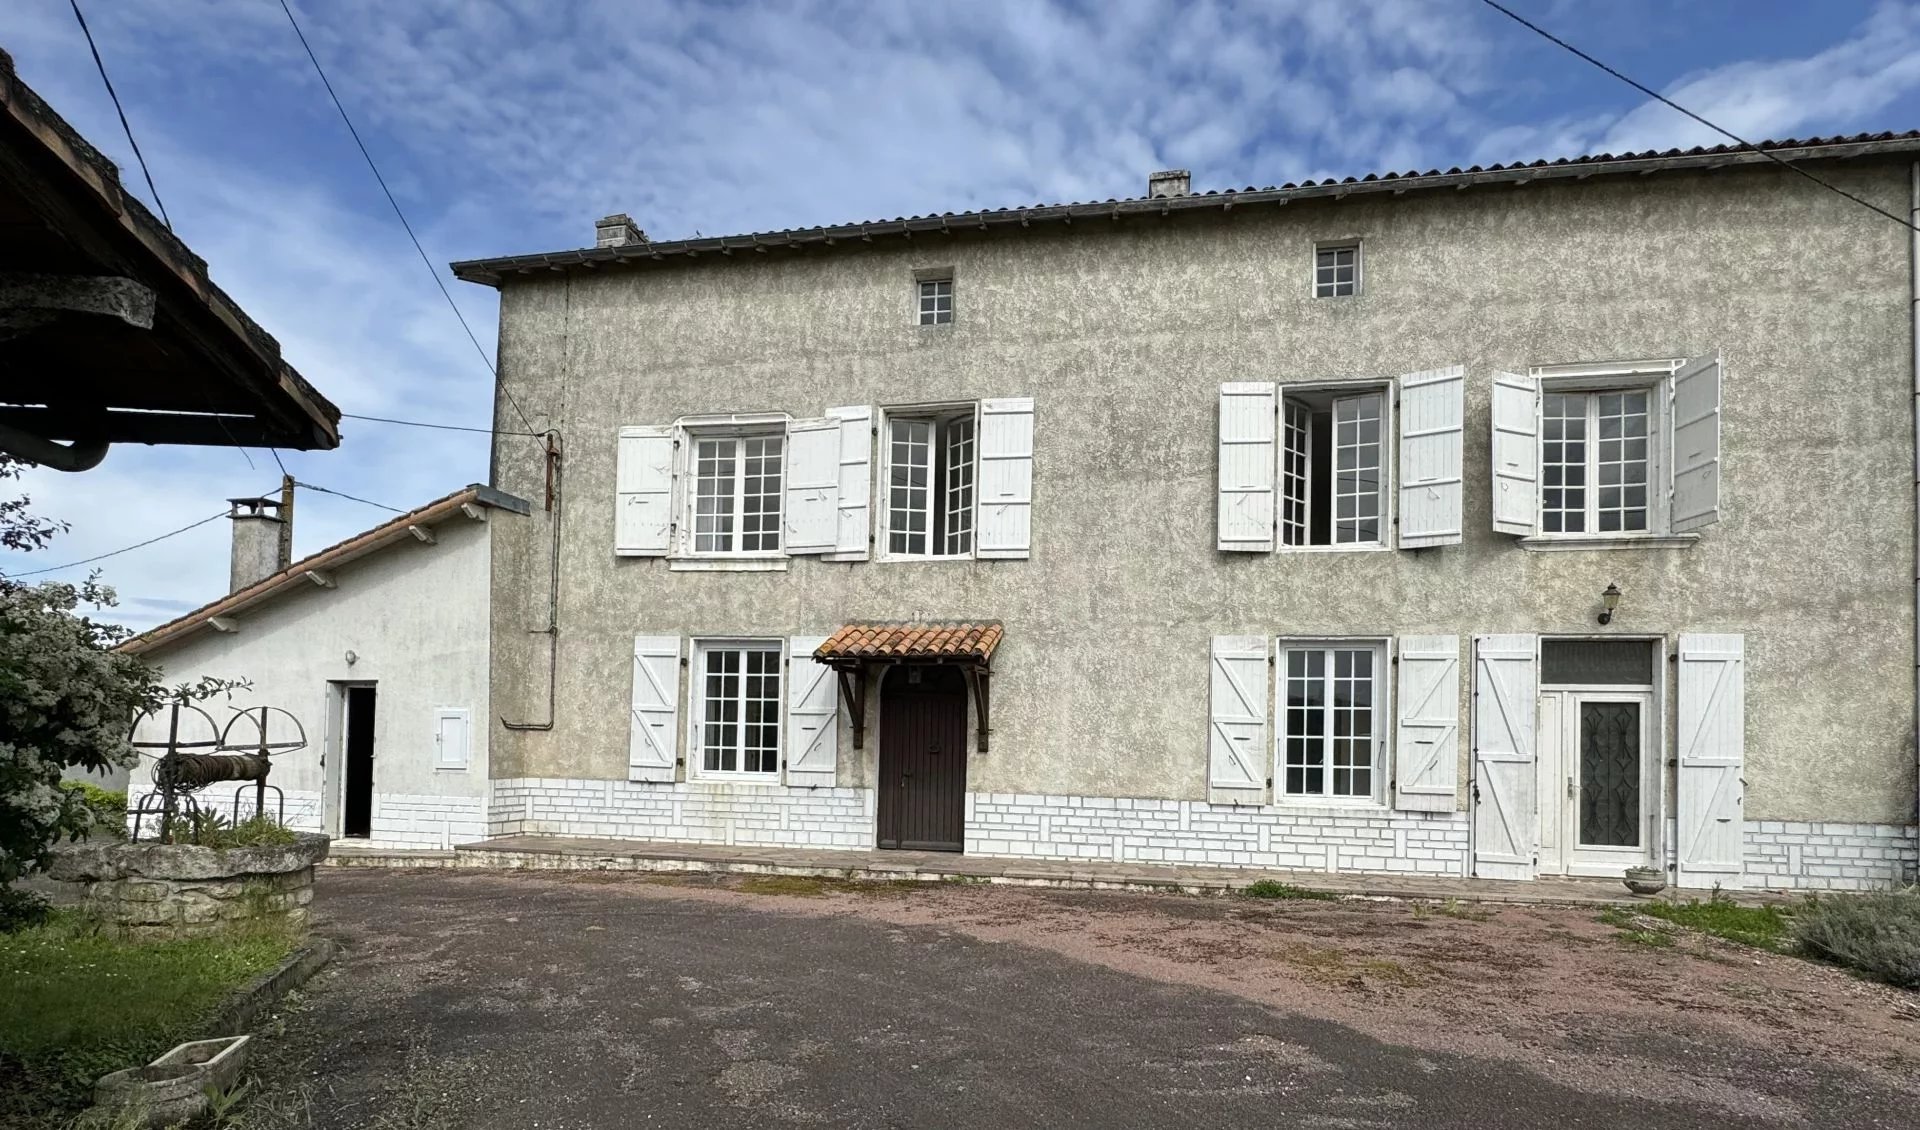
[[853, 692], [979, 678]]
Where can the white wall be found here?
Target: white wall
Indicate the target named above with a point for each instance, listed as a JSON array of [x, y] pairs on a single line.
[[415, 617]]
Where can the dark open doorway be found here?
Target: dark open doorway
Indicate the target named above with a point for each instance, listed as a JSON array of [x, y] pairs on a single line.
[[356, 798], [923, 758]]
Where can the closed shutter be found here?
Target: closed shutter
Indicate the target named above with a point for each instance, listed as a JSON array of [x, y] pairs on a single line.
[[653, 738], [1246, 466], [451, 729], [813, 486], [1428, 738], [813, 715], [1006, 478], [1237, 730], [1516, 454], [1505, 693], [1710, 817], [1432, 426], [1696, 444], [643, 475], [856, 482]]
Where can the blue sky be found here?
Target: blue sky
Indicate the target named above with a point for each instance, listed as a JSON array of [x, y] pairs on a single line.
[[510, 125]]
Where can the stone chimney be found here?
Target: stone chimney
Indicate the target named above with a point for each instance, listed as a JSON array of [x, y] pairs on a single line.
[[1169, 182], [617, 230], [258, 549]]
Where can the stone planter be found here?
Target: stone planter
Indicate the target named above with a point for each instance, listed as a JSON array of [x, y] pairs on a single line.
[[173, 1088], [1645, 880], [181, 890]]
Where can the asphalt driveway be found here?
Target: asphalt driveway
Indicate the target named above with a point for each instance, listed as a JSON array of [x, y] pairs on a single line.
[[518, 1000]]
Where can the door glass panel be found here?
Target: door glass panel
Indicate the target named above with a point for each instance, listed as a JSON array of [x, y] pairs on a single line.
[[1596, 663], [1610, 774]]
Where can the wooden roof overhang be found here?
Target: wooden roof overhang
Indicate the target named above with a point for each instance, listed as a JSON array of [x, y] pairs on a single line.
[[110, 329], [967, 645]]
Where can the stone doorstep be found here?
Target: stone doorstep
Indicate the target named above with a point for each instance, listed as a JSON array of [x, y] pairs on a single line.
[[571, 853]]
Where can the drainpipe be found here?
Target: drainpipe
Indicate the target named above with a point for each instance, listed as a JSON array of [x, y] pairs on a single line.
[[1913, 278], [81, 455]]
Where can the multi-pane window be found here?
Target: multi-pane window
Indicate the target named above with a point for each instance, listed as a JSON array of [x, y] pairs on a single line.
[[1331, 745], [1333, 468], [1593, 462], [936, 302], [930, 469], [740, 709], [1336, 271], [736, 494]]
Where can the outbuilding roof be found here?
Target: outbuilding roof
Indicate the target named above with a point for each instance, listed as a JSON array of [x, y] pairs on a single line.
[[493, 272], [939, 640], [312, 569]]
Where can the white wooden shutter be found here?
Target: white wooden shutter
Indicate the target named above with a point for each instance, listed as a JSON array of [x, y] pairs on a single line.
[[1247, 469], [1506, 822], [1006, 478], [653, 738], [1710, 817], [1432, 426], [452, 729], [1696, 444], [856, 482], [643, 474], [1237, 729], [1516, 454], [813, 486], [1428, 739], [813, 715]]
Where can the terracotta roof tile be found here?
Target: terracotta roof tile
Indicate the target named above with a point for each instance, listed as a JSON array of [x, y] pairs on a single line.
[[975, 640]]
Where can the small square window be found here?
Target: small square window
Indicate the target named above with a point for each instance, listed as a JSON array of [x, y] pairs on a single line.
[[936, 302], [1336, 270]]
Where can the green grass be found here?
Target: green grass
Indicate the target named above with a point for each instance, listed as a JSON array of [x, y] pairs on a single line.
[[1763, 927], [80, 1003], [1274, 889]]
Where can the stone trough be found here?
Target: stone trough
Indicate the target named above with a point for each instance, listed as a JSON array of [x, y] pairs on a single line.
[[173, 1088], [183, 890]]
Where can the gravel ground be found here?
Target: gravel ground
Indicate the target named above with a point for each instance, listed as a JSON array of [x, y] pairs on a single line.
[[605, 1000]]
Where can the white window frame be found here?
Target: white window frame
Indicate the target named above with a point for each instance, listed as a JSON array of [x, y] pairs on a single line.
[[927, 287], [1389, 393], [696, 757], [1383, 716], [937, 489], [688, 433], [440, 762], [1655, 378], [1332, 288]]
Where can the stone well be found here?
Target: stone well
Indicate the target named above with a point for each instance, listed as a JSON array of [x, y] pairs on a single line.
[[181, 890]]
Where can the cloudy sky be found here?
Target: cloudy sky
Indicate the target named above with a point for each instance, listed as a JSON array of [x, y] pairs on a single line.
[[508, 125]]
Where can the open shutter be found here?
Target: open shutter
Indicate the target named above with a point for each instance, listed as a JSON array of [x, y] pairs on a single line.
[[1432, 425], [1711, 701], [1516, 454], [1246, 466], [1696, 444], [813, 486], [653, 738], [1006, 478], [1237, 729], [1428, 738], [813, 715], [1506, 821], [643, 476], [856, 481]]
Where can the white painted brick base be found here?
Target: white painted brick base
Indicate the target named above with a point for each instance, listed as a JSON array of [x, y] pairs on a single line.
[[399, 820], [1194, 832], [696, 812], [1829, 857]]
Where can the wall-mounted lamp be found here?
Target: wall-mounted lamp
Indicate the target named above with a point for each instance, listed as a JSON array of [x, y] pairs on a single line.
[[1609, 600], [352, 658]]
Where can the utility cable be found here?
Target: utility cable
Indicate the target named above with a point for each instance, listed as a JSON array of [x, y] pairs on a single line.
[[442, 427], [349, 497], [428, 263], [102, 68], [1670, 103], [129, 549]]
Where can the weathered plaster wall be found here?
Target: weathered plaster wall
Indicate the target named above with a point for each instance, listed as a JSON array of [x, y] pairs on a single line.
[[415, 616], [1123, 334]]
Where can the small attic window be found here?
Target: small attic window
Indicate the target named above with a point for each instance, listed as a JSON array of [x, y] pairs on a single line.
[[1336, 270], [936, 301]]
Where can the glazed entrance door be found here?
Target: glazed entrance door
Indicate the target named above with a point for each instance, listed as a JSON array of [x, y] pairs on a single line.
[[923, 758], [1598, 784]]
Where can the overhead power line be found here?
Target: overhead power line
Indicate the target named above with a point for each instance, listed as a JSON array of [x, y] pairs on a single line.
[[1670, 103], [118, 552], [101, 66], [425, 261], [442, 427], [348, 497]]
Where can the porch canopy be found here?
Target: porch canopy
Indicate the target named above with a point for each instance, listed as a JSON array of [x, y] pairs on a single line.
[[856, 647]]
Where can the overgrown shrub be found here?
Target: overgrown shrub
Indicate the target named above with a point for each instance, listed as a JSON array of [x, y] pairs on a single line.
[[210, 829], [1876, 934], [20, 909], [106, 809]]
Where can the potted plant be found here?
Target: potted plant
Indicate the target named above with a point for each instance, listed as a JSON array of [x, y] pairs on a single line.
[[1646, 880]]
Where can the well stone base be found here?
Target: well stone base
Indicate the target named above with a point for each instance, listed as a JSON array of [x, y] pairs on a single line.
[[184, 890]]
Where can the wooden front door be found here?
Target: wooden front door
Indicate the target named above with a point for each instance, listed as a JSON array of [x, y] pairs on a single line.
[[923, 758]]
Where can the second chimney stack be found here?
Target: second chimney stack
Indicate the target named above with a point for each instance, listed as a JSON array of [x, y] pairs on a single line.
[[617, 230], [257, 545], [1169, 182]]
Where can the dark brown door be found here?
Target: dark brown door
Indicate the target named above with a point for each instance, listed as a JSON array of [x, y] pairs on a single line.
[[923, 758]]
